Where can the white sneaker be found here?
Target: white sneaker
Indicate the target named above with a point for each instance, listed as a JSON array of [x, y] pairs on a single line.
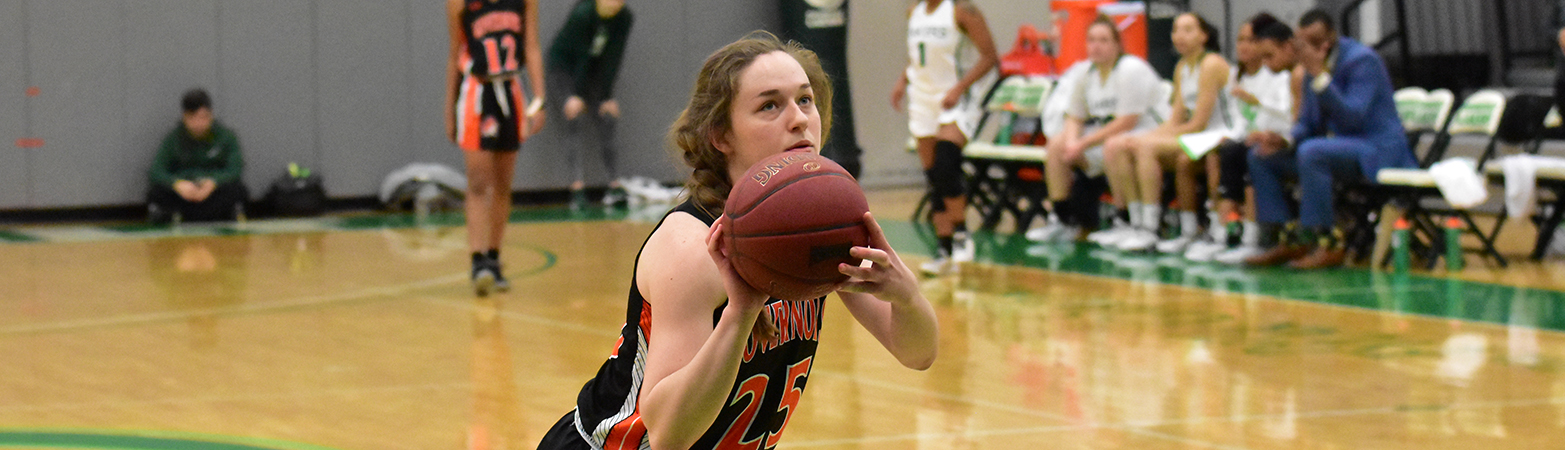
[[1175, 245], [963, 251], [1045, 233], [942, 265], [1137, 241], [1237, 255], [1204, 250], [1111, 236], [1053, 232]]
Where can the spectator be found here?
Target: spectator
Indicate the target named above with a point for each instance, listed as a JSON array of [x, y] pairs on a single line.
[[584, 61], [196, 175]]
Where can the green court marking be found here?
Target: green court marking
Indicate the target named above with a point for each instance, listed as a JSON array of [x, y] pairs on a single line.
[[1353, 287], [139, 440], [12, 236]]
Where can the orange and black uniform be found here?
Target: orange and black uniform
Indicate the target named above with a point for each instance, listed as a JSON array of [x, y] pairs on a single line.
[[765, 393], [490, 106]]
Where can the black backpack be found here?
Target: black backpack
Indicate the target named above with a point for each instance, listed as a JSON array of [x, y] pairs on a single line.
[[297, 193]]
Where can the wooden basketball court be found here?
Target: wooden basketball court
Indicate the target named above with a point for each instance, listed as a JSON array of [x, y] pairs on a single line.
[[363, 334]]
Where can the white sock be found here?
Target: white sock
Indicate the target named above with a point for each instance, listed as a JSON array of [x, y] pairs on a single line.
[[1251, 236], [1151, 216], [1190, 224], [1135, 214]]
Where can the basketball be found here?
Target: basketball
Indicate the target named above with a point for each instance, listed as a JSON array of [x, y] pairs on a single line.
[[791, 220]]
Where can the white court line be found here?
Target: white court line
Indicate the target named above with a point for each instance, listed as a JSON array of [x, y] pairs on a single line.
[[134, 319], [536, 320]]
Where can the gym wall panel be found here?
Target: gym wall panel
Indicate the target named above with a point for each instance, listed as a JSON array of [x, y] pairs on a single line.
[[14, 165], [170, 47], [427, 49], [77, 58], [362, 93], [267, 66], [654, 86]]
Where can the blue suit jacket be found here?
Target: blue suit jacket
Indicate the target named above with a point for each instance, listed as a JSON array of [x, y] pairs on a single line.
[[1357, 104]]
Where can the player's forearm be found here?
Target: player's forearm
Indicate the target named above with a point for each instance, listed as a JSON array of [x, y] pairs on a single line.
[[679, 409], [915, 336]]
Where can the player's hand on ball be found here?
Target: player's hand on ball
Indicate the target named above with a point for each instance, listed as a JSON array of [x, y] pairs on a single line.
[[887, 277], [740, 293]]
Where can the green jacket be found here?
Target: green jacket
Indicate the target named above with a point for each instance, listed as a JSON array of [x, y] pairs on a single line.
[[182, 157], [592, 70]]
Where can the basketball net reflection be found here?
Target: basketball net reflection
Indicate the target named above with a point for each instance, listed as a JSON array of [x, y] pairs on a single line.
[[497, 417]]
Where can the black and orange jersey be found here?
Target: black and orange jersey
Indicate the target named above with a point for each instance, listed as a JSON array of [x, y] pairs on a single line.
[[493, 30], [765, 393]]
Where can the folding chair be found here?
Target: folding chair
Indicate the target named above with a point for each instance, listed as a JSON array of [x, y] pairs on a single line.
[[1423, 113], [1550, 214], [995, 185], [1480, 114]]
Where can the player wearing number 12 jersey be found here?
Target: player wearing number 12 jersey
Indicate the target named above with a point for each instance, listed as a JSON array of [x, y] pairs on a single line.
[[492, 41], [704, 361]]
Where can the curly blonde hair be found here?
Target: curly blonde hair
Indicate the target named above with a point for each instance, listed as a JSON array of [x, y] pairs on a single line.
[[710, 114]]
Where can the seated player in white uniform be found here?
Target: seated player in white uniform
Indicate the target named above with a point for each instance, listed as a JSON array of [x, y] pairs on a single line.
[[1136, 163]]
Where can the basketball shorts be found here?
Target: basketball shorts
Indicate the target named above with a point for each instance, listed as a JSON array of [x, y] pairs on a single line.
[[489, 114], [925, 116], [1092, 157]]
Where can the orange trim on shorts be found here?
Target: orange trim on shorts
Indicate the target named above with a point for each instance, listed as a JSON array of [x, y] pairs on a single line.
[[469, 122], [627, 434], [520, 109]]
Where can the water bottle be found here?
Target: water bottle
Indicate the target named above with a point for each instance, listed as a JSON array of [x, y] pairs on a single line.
[[1004, 137], [1453, 245], [1399, 244], [1234, 233]]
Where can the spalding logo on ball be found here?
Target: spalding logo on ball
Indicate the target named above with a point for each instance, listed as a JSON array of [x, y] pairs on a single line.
[[791, 221]]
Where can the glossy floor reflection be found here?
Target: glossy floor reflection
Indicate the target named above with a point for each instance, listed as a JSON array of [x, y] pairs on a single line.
[[366, 337]]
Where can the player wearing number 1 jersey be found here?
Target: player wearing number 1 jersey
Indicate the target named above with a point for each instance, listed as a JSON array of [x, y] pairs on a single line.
[[492, 41], [704, 361]]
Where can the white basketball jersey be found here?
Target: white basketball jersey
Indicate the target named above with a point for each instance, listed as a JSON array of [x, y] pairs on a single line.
[[1190, 91], [933, 42]]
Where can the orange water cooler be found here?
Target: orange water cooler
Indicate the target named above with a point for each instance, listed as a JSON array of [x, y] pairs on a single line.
[[1073, 17]]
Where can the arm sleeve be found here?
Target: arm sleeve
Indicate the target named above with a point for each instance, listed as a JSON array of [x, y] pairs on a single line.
[[233, 168], [1351, 91], [569, 48], [1309, 116], [161, 173]]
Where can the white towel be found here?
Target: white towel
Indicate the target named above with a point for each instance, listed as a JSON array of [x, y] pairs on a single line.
[[1521, 177], [1459, 182]]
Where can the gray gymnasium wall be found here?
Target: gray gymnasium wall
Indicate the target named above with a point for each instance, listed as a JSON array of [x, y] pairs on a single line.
[[354, 88], [350, 88]]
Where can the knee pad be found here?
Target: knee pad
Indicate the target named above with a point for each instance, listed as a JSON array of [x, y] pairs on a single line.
[[945, 176]]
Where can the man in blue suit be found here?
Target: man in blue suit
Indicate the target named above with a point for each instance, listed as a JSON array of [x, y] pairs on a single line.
[[1347, 129]]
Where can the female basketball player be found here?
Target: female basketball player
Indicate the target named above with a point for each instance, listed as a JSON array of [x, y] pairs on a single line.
[[1138, 161], [704, 360], [1262, 102], [1114, 97], [490, 41], [939, 112]]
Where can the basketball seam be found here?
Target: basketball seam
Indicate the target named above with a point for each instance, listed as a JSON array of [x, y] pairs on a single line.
[[787, 274], [804, 231], [769, 193]]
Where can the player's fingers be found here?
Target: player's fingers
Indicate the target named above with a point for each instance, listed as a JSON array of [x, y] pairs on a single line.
[[858, 273], [874, 255], [713, 240], [877, 236]]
